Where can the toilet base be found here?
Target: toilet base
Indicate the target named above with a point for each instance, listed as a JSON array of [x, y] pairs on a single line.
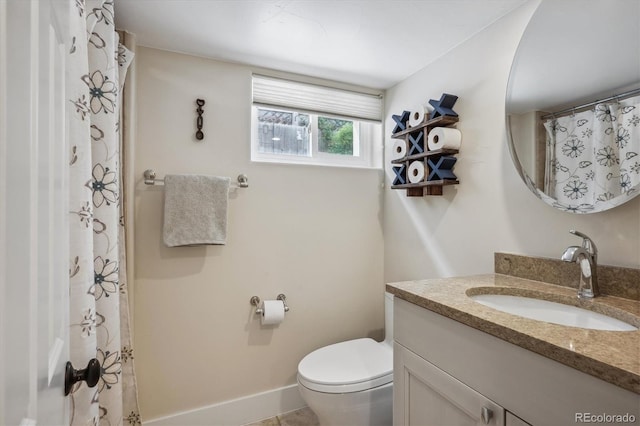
[[372, 407]]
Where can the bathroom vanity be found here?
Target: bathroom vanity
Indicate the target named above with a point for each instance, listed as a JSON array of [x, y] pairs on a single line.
[[459, 362]]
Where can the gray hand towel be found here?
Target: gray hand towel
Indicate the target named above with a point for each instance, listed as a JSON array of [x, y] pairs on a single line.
[[195, 210]]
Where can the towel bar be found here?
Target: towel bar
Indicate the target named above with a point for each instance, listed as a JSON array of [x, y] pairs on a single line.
[[150, 179]]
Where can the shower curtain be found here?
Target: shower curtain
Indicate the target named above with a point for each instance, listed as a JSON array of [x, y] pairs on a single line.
[[592, 156], [99, 312]]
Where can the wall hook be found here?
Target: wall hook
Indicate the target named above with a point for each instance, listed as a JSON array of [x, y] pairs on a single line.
[[199, 120]]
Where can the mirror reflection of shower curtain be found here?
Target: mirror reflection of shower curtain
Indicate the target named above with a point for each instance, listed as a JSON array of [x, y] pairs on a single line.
[[592, 156]]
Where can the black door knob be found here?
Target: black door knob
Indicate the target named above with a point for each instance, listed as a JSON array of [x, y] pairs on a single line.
[[91, 375]]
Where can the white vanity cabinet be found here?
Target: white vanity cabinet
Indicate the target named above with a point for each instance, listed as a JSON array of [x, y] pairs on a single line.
[[511, 420], [446, 373], [424, 395]]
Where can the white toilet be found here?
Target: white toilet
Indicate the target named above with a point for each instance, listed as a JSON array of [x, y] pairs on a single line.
[[351, 383]]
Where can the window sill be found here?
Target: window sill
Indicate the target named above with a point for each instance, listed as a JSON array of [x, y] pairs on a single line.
[[308, 161]]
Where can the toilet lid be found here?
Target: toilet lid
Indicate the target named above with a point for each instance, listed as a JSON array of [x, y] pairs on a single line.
[[350, 366]]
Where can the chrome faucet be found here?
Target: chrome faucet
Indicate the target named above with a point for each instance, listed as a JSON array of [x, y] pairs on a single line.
[[587, 257]]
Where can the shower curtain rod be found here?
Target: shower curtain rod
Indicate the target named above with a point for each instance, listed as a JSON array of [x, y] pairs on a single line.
[[590, 104]]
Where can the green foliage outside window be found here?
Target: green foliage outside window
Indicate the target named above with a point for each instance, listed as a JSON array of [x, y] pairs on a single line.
[[336, 136]]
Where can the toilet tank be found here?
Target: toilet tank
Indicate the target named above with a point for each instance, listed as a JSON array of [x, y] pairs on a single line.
[[388, 318]]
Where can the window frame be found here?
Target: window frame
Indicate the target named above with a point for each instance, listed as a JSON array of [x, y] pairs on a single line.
[[363, 156], [365, 109]]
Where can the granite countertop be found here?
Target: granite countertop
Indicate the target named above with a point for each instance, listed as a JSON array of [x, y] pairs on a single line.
[[613, 356]]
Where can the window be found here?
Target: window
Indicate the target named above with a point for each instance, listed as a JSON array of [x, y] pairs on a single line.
[[305, 124]]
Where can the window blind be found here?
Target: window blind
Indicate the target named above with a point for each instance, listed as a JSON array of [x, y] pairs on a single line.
[[275, 92]]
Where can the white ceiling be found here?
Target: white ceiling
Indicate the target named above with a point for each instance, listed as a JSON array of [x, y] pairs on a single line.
[[373, 43]]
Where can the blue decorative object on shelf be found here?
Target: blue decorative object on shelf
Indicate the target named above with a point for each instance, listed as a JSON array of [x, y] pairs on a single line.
[[443, 169], [401, 174], [401, 121], [417, 143], [443, 106]]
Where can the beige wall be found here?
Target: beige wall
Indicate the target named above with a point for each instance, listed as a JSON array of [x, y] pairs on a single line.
[[491, 209], [313, 233]]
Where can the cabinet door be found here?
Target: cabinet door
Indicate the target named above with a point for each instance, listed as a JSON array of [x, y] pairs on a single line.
[[511, 420], [424, 395]]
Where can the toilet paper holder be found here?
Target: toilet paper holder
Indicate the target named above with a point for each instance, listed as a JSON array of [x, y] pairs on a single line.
[[255, 301]]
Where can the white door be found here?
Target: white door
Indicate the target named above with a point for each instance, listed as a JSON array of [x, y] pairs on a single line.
[[34, 276], [424, 395]]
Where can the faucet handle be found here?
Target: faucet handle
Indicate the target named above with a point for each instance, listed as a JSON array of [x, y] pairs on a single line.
[[587, 243]]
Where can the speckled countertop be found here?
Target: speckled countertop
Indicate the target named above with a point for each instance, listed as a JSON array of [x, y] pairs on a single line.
[[613, 356]]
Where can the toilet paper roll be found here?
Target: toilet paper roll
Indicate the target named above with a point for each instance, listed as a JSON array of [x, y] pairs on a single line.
[[444, 137], [417, 115], [272, 312], [399, 149], [415, 173]]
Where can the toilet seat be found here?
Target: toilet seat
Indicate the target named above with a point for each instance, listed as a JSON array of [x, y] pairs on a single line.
[[351, 366]]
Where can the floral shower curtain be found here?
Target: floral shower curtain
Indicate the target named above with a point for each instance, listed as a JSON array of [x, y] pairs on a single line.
[[592, 156], [98, 291]]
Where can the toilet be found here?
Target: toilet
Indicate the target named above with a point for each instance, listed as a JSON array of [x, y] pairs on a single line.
[[351, 383]]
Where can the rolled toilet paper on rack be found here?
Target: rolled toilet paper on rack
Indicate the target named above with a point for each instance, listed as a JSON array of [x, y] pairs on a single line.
[[417, 115], [399, 149], [444, 138], [415, 174], [272, 312]]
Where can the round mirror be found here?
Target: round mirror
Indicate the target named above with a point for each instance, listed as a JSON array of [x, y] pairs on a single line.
[[573, 104]]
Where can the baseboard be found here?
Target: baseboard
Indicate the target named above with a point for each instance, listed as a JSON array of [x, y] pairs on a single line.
[[239, 411]]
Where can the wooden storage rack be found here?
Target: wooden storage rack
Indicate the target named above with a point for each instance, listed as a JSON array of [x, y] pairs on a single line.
[[426, 187]]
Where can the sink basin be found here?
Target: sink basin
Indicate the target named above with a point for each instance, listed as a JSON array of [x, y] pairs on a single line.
[[553, 312]]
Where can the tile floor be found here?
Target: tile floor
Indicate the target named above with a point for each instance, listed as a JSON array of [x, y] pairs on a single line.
[[302, 417]]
